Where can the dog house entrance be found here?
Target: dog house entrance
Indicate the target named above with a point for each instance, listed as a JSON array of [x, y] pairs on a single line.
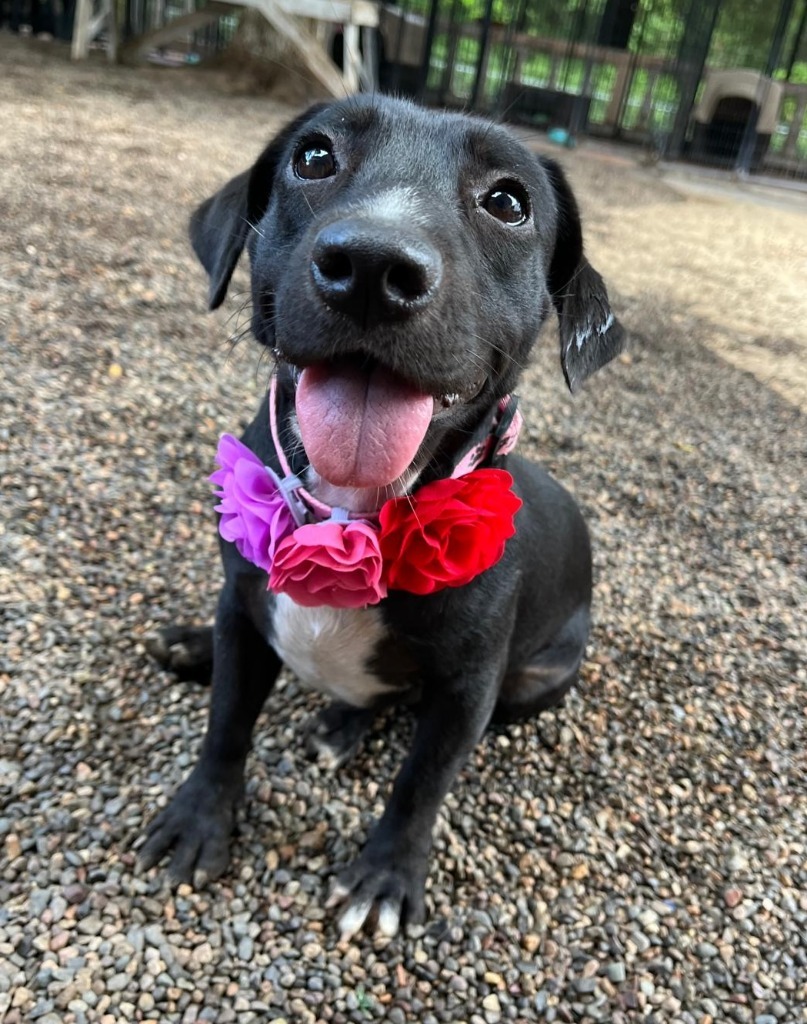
[[737, 107], [721, 139]]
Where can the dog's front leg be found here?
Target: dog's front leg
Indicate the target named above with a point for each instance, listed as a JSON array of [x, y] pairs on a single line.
[[199, 821], [390, 873]]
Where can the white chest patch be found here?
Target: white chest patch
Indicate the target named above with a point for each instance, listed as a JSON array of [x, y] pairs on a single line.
[[329, 648]]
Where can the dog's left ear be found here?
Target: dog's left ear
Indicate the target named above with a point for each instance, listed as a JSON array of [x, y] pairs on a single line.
[[590, 334], [219, 227]]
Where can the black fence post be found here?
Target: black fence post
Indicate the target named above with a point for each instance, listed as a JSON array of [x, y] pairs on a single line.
[[452, 41], [616, 23], [431, 31], [797, 38], [514, 26], [745, 157], [482, 62], [692, 53]]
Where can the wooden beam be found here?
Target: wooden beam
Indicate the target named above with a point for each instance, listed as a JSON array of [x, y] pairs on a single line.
[[343, 12], [314, 58], [351, 57], [282, 15], [87, 25]]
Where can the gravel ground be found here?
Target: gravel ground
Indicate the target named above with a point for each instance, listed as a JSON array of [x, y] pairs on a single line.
[[640, 855]]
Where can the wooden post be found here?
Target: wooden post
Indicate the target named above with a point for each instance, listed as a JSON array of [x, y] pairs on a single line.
[[370, 59], [316, 61], [112, 31], [87, 25], [351, 57], [81, 44]]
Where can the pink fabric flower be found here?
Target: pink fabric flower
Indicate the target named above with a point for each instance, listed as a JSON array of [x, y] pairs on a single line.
[[254, 515], [334, 564]]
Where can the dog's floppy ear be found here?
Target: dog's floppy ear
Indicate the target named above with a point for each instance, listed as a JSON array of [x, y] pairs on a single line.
[[590, 334], [219, 227], [218, 230]]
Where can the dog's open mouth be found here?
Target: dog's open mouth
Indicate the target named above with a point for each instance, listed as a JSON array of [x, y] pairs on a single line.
[[361, 424]]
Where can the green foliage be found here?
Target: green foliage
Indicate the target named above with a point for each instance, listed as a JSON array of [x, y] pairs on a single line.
[[743, 34], [659, 27], [798, 76], [742, 38]]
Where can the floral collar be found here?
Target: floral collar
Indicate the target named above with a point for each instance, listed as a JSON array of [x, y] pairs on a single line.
[[443, 535]]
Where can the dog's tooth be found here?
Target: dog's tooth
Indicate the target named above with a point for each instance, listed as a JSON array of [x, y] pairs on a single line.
[[350, 923], [389, 919], [449, 400]]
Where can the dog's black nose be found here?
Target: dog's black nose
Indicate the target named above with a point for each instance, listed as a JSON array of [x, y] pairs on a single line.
[[374, 272]]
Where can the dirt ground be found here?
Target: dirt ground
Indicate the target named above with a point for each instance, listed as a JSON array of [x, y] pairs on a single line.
[[728, 260], [725, 261], [637, 855]]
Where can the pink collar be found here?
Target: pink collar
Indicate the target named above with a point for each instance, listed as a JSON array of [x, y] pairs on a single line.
[[496, 436]]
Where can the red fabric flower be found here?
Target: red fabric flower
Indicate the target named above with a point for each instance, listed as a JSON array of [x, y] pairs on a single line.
[[448, 532], [334, 564]]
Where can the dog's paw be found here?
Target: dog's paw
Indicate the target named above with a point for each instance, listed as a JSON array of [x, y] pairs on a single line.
[[187, 651], [335, 733], [384, 893], [195, 829]]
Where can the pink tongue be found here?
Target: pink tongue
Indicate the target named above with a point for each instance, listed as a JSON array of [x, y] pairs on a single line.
[[360, 429]]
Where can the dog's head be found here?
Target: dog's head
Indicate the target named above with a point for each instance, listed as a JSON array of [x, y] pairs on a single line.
[[403, 262]]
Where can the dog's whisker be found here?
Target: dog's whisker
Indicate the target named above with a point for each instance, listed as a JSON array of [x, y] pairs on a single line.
[[253, 227], [241, 330], [238, 312], [497, 348], [477, 360], [234, 340], [308, 203], [410, 502]]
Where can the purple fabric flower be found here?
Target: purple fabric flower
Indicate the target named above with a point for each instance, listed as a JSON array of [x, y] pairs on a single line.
[[254, 515]]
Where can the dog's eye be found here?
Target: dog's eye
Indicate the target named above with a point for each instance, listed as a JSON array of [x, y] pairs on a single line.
[[315, 161], [509, 205]]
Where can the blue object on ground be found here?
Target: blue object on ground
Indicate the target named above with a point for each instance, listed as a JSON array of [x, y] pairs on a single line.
[[561, 137]]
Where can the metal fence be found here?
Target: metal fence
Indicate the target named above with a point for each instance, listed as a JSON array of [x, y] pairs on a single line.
[[720, 82], [144, 16]]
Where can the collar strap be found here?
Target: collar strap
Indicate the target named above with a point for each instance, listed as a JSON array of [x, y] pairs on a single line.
[[495, 437]]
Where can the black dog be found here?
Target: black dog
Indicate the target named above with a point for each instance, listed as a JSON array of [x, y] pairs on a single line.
[[396, 251]]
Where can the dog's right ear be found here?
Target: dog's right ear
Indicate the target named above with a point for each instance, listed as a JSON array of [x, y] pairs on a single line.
[[590, 334], [219, 227]]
